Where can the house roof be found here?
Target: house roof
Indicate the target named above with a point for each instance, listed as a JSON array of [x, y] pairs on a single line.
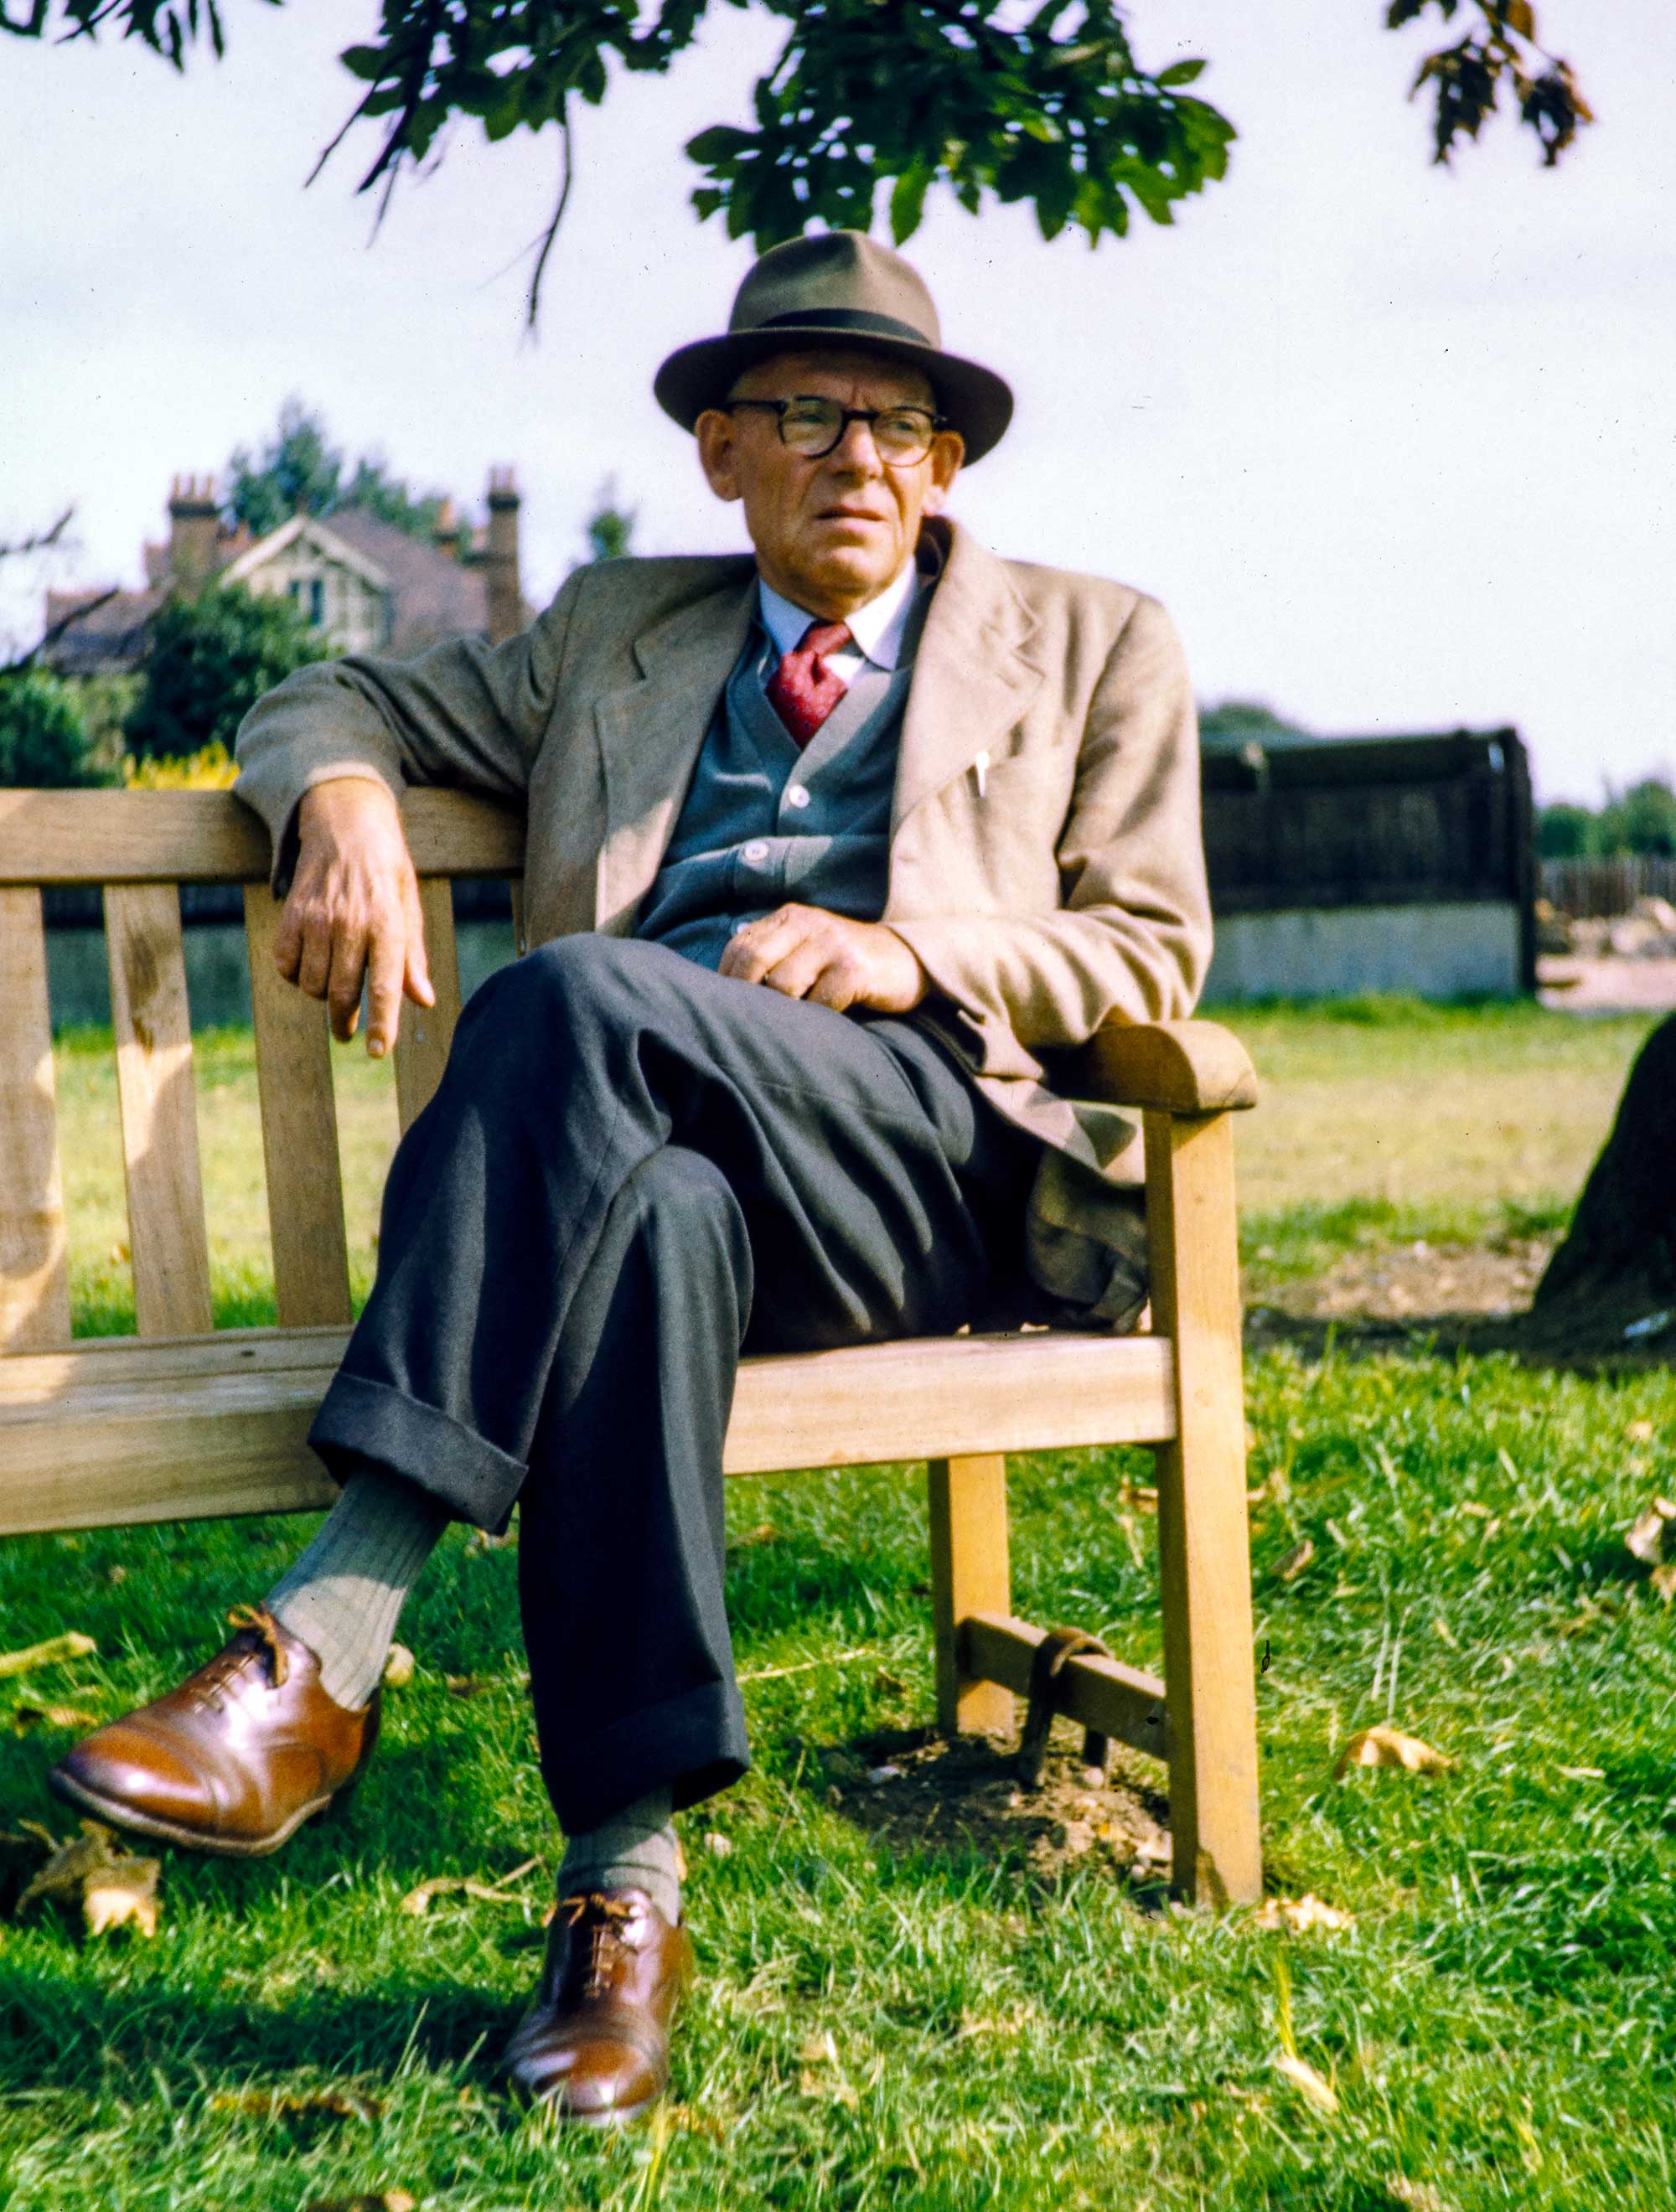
[[434, 596], [103, 631], [321, 535]]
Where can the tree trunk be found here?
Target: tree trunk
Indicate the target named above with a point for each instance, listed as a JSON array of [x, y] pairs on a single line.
[[1617, 1266]]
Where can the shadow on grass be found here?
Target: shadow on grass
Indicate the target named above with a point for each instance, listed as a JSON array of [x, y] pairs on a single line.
[[59, 2033], [1521, 1336]]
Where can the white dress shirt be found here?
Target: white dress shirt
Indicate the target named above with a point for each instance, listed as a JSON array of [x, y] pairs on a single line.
[[878, 629]]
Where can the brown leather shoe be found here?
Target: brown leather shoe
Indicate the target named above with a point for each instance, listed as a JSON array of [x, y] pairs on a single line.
[[595, 2044], [235, 1759]]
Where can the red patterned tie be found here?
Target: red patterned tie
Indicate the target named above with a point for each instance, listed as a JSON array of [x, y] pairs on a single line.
[[803, 690]]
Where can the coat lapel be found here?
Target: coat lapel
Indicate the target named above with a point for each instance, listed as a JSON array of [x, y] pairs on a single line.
[[974, 674], [649, 734]]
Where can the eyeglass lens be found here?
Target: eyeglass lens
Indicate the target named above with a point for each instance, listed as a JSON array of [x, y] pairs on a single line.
[[814, 427]]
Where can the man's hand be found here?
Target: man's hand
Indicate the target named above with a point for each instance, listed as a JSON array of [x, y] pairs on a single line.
[[353, 914], [808, 953]]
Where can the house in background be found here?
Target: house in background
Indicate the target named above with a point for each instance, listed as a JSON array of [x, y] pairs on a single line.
[[1343, 866], [365, 584]]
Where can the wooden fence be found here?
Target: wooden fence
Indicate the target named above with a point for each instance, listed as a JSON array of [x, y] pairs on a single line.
[[1600, 889]]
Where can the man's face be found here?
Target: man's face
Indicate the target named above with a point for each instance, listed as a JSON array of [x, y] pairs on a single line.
[[830, 533]]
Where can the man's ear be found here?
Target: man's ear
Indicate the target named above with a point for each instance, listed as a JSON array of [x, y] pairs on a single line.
[[717, 452], [947, 453]]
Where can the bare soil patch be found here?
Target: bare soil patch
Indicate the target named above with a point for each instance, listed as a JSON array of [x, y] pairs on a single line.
[[1408, 1282], [1474, 1297], [916, 1790]]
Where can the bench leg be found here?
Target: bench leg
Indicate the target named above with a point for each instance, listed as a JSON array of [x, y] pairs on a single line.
[[1203, 1541], [968, 1574]]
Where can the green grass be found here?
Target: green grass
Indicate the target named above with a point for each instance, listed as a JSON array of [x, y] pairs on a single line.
[[1498, 2024]]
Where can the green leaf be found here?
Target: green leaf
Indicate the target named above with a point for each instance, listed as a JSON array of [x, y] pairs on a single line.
[[1180, 72], [717, 144], [908, 202], [368, 63]]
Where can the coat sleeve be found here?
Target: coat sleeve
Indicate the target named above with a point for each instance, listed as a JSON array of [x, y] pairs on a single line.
[[1131, 938], [465, 713]]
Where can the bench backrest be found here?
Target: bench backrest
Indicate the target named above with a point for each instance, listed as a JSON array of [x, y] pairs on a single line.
[[140, 847]]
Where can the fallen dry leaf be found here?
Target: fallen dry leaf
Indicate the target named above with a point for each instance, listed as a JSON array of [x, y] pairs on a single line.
[[1582, 1773], [121, 1894], [25, 1718], [112, 1889], [1646, 1537], [69, 1865], [1389, 1747], [1663, 1580], [819, 2050], [763, 1533], [418, 1901], [1305, 2080], [72, 1644], [1300, 1914], [301, 2104], [398, 1667], [468, 1686], [480, 1542], [718, 1846], [1297, 1560], [1639, 1432], [387, 2200], [1418, 2195]]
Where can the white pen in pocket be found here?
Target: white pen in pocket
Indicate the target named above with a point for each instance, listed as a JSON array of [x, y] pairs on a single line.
[[980, 769]]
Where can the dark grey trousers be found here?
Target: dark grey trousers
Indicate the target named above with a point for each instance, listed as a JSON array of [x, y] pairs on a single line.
[[632, 1170]]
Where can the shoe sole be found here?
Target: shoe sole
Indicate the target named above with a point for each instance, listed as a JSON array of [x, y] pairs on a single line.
[[119, 1815]]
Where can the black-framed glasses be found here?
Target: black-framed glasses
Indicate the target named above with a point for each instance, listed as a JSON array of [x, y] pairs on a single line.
[[814, 426]]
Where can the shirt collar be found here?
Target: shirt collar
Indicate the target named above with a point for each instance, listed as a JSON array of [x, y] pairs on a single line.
[[878, 629]]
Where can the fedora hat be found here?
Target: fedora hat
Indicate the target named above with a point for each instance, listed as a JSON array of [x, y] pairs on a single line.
[[839, 289]]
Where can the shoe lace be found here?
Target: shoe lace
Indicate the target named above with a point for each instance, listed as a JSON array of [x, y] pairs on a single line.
[[601, 1920], [249, 1619]]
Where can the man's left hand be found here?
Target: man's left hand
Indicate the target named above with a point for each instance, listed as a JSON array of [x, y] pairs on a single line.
[[807, 953]]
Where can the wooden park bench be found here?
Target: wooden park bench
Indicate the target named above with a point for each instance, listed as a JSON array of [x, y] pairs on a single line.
[[184, 1420]]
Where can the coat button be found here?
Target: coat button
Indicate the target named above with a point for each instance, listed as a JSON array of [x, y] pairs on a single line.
[[795, 795], [757, 851]]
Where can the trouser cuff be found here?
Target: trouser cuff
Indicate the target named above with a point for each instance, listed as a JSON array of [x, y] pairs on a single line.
[[692, 1746], [362, 1420]]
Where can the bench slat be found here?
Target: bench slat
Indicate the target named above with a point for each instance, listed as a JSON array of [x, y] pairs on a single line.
[[35, 1289], [299, 1133], [104, 1434], [213, 837], [153, 1035], [426, 1033]]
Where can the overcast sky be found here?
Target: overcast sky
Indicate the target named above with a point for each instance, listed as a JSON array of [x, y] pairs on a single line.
[[1397, 446]]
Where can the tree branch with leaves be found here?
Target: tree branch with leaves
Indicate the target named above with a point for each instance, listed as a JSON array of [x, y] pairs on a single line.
[[864, 100]]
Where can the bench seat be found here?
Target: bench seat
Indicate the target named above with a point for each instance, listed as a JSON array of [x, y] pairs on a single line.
[[181, 1421]]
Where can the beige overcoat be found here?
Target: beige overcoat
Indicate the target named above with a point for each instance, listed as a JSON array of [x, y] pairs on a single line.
[[1045, 862]]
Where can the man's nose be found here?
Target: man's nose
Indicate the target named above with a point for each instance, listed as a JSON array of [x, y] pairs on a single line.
[[856, 451]]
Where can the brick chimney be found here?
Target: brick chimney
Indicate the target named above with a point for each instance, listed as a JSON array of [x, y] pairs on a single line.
[[447, 532], [500, 558], [194, 528]]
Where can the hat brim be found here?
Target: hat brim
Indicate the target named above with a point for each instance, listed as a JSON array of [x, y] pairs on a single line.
[[977, 403]]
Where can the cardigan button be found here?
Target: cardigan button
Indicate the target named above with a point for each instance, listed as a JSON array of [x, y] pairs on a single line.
[[757, 851], [795, 795]]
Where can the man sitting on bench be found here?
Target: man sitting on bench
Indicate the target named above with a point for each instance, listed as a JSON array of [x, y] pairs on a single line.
[[824, 850]]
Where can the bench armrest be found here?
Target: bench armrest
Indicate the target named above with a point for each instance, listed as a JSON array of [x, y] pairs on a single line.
[[1174, 1067]]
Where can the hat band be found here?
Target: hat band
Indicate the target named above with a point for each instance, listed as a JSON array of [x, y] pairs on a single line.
[[843, 319]]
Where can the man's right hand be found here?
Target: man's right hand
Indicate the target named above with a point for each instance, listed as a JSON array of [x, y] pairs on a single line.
[[353, 914]]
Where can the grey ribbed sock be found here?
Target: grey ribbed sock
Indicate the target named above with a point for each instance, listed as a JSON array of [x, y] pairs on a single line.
[[344, 1595], [637, 1848]]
